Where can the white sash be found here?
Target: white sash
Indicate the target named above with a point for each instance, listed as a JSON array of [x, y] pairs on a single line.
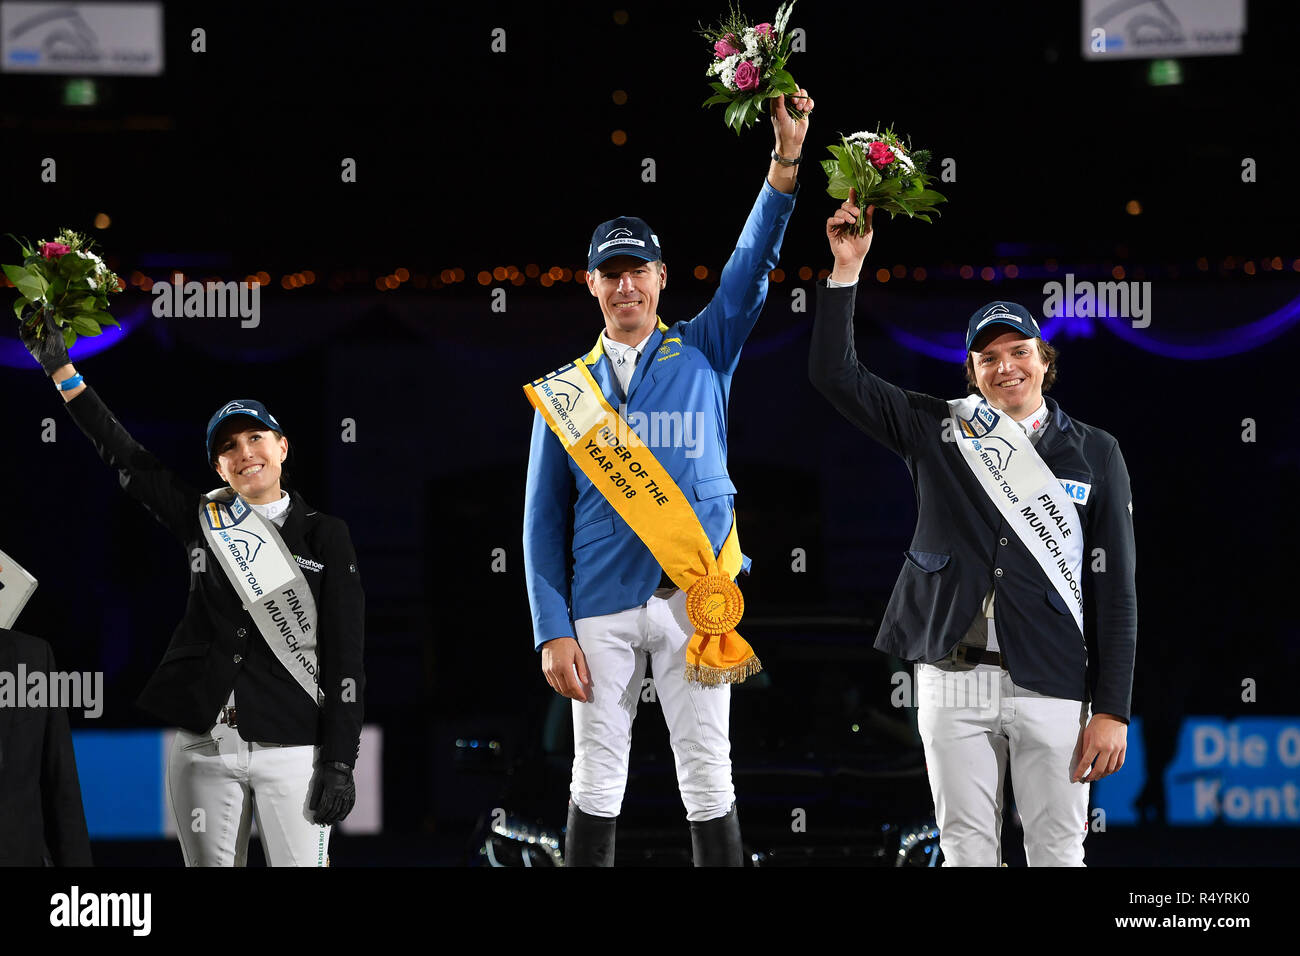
[[1031, 499], [265, 575]]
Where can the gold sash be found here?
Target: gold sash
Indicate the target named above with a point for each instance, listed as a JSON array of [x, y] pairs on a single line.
[[624, 470]]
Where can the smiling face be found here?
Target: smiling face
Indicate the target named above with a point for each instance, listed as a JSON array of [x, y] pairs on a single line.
[[1009, 371], [628, 291], [248, 458]]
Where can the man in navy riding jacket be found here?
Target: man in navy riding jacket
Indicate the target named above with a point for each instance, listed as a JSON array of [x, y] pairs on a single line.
[[1006, 668]]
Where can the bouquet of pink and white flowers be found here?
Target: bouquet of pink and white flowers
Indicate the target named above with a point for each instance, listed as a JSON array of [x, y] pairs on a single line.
[[884, 173], [65, 280], [749, 63]]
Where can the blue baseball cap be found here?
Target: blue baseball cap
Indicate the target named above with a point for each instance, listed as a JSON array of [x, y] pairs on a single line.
[[242, 406], [1001, 313], [624, 236]]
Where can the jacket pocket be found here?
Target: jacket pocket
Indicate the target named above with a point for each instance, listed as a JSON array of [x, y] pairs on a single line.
[[707, 488], [1056, 601], [592, 531], [184, 651], [927, 560]]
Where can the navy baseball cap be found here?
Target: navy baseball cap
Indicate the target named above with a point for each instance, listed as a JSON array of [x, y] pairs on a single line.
[[242, 406], [1003, 313], [624, 236]]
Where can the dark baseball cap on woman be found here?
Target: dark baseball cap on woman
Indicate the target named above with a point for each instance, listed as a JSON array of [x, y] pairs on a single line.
[[242, 406], [624, 236], [1001, 313]]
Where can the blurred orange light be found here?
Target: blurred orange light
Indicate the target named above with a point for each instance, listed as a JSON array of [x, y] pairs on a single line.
[[546, 280], [102, 221], [458, 274], [308, 277], [446, 275], [823, 274], [1277, 262], [1133, 207], [263, 278], [499, 273], [919, 273], [1012, 271], [620, 97], [987, 273], [778, 275], [899, 271], [805, 273], [882, 275], [517, 278], [286, 282], [1202, 263], [966, 272], [402, 274], [701, 272], [1249, 267], [146, 284], [484, 278], [1117, 272], [619, 137], [531, 270], [566, 274]]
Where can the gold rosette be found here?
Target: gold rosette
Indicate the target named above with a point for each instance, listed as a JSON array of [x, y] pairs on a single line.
[[717, 654]]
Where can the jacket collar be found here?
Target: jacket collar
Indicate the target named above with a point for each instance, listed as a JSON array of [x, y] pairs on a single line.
[[604, 373], [294, 520], [1058, 424]]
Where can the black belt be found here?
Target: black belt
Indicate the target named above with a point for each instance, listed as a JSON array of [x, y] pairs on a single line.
[[966, 654]]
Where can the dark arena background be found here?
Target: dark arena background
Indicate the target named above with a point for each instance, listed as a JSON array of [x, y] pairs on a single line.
[[414, 186]]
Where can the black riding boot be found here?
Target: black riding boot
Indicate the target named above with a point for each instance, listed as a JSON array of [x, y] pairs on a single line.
[[717, 842], [589, 840]]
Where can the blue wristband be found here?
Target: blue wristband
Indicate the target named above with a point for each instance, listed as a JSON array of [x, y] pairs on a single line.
[[68, 384]]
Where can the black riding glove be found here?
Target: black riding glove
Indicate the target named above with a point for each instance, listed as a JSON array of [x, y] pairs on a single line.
[[333, 793], [48, 349]]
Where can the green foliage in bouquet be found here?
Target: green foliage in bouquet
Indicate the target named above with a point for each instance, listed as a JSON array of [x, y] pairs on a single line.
[[749, 62], [63, 279], [885, 173]]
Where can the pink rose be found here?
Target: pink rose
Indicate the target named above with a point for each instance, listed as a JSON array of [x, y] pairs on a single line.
[[880, 155], [724, 49], [763, 29], [746, 76], [51, 250]]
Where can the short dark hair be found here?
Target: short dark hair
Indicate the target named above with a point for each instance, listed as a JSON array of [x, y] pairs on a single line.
[[1045, 352]]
